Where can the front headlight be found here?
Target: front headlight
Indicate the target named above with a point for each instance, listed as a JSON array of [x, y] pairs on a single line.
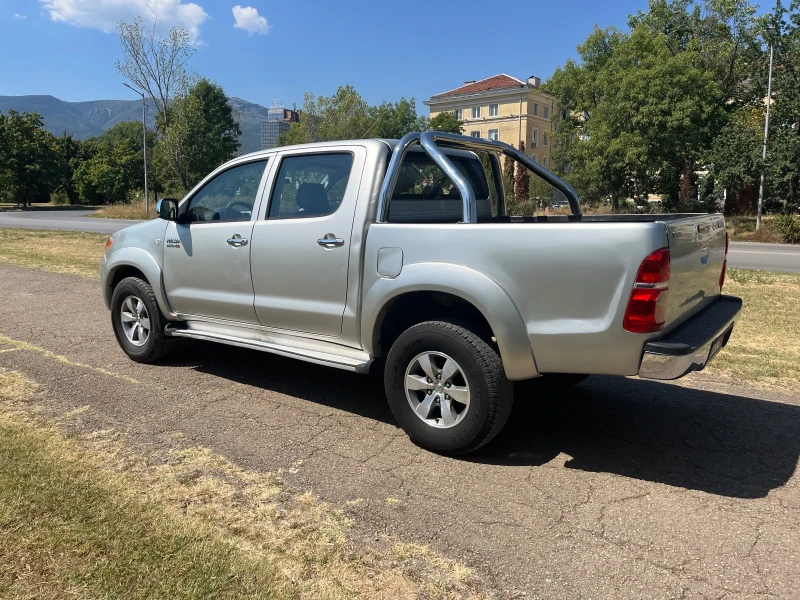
[[109, 242]]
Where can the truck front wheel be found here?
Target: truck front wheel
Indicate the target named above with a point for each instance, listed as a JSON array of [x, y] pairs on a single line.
[[138, 322], [446, 387]]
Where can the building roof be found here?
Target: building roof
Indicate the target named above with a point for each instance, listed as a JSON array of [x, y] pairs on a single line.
[[498, 82]]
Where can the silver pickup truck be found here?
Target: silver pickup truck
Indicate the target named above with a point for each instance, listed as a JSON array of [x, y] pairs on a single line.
[[407, 256]]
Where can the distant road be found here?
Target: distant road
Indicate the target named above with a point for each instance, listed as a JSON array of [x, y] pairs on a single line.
[[767, 257], [65, 220], [743, 255]]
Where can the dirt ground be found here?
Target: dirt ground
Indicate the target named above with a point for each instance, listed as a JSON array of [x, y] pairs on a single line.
[[621, 488]]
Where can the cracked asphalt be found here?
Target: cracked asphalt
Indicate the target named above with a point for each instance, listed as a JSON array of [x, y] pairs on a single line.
[[619, 488]]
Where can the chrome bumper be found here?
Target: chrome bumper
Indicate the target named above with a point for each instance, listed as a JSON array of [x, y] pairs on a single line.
[[693, 344]]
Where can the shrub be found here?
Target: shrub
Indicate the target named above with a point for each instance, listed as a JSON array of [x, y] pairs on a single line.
[[788, 226]]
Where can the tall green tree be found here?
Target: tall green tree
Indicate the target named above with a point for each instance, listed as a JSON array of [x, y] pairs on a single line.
[[347, 116], [68, 158], [27, 158], [446, 121], [343, 116], [644, 106], [393, 121], [201, 133]]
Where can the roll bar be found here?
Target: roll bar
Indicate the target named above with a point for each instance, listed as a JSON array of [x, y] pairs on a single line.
[[432, 143]]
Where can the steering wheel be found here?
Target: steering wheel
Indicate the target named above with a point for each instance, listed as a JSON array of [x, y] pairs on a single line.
[[233, 206]]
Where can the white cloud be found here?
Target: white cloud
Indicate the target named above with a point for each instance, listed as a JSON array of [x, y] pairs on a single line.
[[105, 14], [247, 18], [19, 16]]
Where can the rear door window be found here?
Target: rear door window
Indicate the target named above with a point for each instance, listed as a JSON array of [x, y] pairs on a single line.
[[310, 185]]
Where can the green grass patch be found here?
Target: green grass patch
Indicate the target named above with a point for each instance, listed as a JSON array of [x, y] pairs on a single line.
[[72, 252], [765, 345], [69, 529]]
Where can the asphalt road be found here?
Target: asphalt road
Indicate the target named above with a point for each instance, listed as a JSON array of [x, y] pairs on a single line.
[[767, 257], [619, 489], [745, 255], [65, 220]]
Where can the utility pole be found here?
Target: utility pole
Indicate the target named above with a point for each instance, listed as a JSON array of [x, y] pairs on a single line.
[[144, 147], [766, 137]]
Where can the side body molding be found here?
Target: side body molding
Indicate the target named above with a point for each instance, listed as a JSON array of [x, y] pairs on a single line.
[[470, 285]]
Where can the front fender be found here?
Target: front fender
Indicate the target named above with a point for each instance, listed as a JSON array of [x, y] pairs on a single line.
[[470, 285], [142, 260]]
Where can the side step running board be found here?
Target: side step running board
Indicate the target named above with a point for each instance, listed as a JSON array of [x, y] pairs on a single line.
[[327, 359]]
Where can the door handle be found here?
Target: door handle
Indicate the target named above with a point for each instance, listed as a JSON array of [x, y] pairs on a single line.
[[329, 241], [236, 241]]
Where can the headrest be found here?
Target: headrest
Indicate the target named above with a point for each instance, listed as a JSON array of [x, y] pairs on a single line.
[[313, 199]]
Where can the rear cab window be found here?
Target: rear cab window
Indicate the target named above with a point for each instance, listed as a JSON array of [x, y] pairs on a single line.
[[425, 194]]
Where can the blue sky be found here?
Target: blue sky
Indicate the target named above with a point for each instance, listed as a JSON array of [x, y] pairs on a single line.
[[67, 48]]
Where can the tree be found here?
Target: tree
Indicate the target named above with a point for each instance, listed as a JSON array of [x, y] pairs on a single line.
[[27, 158], [111, 172], [155, 65], [522, 180], [68, 158], [201, 134], [347, 116], [393, 121], [343, 116], [446, 121], [643, 107]]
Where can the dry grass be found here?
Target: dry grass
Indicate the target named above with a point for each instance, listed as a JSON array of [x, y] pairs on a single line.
[[765, 345], [133, 211], [743, 229], [58, 251], [87, 517]]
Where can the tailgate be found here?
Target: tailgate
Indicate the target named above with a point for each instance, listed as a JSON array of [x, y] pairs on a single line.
[[697, 253]]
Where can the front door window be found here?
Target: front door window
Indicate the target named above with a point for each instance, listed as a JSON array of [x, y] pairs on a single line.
[[229, 196]]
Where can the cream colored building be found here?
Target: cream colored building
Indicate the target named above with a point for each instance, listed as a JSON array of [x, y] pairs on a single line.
[[503, 108]]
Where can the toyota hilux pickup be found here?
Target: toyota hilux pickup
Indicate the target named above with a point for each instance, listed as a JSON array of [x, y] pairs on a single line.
[[413, 258]]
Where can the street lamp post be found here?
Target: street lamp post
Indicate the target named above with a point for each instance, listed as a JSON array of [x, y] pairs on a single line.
[[144, 147], [766, 137]]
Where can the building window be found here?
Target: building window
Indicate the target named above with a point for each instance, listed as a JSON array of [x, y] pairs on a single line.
[[476, 112], [494, 110], [535, 138], [546, 112], [476, 134], [544, 161], [545, 140], [494, 134], [535, 109], [459, 114]]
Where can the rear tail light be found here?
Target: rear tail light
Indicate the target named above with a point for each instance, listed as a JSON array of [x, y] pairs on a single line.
[[647, 306], [724, 263]]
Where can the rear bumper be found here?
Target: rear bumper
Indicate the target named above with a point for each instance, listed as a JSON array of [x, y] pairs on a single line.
[[693, 344]]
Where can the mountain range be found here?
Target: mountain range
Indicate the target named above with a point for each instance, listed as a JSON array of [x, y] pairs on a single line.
[[89, 119]]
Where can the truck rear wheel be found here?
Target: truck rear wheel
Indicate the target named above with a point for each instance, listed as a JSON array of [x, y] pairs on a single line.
[[447, 388], [138, 322]]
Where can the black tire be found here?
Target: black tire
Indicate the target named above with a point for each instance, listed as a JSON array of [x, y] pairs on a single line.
[[157, 345], [491, 393]]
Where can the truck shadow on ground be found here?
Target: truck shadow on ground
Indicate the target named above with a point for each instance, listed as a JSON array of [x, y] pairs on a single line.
[[718, 443]]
